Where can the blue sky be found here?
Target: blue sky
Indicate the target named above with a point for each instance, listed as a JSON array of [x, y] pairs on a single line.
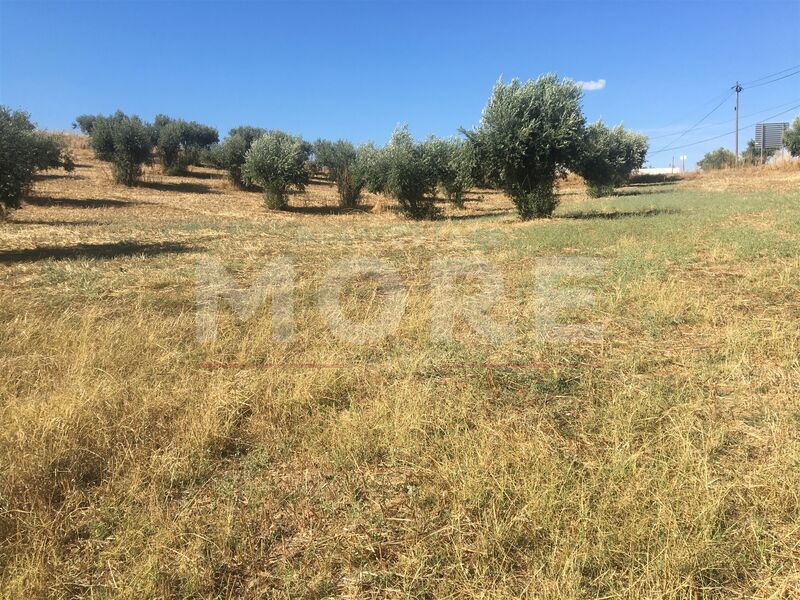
[[357, 69]]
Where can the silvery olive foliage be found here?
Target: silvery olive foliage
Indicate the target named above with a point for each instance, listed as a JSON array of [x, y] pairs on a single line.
[[340, 161], [791, 138], [181, 142], [609, 157], [23, 152], [530, 134], [721, 158], [230, 154], [453, 161], [126, 142], [276, 162], [408, 175]]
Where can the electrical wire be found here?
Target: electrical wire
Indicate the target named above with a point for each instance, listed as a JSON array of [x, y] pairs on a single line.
[[693, 127], [693, 112], [752, 81], [750, 87], [718, 123], [716, 137]]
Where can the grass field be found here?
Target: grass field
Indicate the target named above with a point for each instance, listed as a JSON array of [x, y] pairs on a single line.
[[661, 461]]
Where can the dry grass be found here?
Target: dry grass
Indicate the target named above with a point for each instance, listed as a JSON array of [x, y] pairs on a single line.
[[667, 465], [782, 177]]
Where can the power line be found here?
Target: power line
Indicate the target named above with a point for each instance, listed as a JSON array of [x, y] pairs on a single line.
[[752, 81], [692, 112], [718, 123], [758, 82], [750, 87], [716, 137], [708, 114]]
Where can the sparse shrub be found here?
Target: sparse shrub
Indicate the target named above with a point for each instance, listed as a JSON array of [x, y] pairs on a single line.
[[453, 161], [721, 158], [409, 177], [791, 138], [530, 133], [123, 141], [230, 154], [23, 152], [609, 157], [276, 161], [752, 154], [340, 161], [180, 143]]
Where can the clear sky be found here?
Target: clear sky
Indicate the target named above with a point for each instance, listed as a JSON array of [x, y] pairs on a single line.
[[357, 69]]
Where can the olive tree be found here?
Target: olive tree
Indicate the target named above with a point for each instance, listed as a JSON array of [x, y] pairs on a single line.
[[791, 138], [180, 142], [123, 141], [23, 152], [276, 161], [323, 156], [373, 167], [85, 123], [230, 154], [721, 158], [340, 160], [408, 175], [530, 134], [453, 161], [609, 157]]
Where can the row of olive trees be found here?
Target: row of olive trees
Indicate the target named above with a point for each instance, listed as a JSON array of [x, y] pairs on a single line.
[[530, 134], [406, 170], [128, 143], [24, 150]]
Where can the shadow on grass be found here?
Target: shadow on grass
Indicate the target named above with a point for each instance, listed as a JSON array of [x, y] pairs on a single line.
[[203, 175], [483, 215], [643, 190], [328, 210], [79, 202], [177, 186], [94, 251], [45, 176], [653, 179], [59, 223], [620, 214]]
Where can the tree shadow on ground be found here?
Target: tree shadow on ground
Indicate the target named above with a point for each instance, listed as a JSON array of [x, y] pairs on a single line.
[[620, 214], [328, 210], [483, 215], [203, 175], [176, 186], [58, 223], [654, 179], [644, 190], [94, 251], [46, 176], [79, 202]]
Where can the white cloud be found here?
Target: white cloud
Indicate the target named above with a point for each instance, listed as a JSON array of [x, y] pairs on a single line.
[[591, 86]]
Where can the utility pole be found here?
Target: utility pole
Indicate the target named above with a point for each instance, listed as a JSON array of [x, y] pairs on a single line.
[[738, 89]]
